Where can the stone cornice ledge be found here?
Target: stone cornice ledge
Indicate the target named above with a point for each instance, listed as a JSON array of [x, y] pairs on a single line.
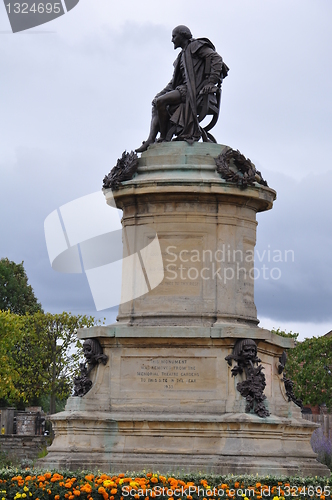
[[220, 331]]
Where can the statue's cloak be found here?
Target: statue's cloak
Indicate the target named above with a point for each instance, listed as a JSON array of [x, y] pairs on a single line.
[[196, 66]]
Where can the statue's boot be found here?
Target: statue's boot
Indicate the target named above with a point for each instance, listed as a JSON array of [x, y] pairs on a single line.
[[144, 147]]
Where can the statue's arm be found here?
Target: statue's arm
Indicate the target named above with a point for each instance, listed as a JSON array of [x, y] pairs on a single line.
[[168, 88], [215, 68]]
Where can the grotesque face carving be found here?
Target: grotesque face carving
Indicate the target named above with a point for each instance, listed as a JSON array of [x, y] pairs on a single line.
[[249, 352], [88, 350]]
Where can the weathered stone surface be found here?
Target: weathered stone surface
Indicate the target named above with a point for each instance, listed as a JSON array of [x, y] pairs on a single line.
[[170, 402], [22, 447], [166, 399], [206, 229]]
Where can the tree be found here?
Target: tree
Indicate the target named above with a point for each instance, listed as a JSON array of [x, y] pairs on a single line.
[[39, 355], [10, 333], [16, 294], [309, 366], [47, 356]]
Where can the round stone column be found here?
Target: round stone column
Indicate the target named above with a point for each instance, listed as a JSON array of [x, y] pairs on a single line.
[[206, 231]]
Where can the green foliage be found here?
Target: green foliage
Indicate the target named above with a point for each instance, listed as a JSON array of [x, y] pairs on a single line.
[[11, 328], [308, 366], [43, 452], [281, 333], [39, 356], [15, 293]]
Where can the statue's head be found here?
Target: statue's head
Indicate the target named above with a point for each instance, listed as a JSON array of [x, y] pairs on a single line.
[[180, 36], [246, 349]]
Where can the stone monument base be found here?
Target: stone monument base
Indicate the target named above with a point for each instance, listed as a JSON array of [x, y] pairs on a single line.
[[166, 400]]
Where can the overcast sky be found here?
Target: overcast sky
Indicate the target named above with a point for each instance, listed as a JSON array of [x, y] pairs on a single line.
[[76, 92]]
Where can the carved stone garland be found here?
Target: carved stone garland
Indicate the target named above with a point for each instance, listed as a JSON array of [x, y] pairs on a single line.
[[234, 167], [93, 353], [245, 355], [124, 170]]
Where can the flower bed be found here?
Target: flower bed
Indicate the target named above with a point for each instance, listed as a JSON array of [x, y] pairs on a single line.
[[39, 485]]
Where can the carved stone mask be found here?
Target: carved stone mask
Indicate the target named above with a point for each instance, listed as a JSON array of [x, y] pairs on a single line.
[[88, 351], [249, 352]]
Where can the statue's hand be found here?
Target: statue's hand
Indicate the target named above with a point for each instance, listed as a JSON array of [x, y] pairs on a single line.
[[209, 89]]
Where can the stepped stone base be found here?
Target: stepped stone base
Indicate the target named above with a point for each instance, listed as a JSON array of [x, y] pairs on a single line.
[[234, 443], [166, 400]]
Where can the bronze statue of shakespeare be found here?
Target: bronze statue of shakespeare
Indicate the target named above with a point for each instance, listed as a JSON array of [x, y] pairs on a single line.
[[191, 95]]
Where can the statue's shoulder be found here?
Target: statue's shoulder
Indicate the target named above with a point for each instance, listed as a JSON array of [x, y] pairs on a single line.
[[198, 43]]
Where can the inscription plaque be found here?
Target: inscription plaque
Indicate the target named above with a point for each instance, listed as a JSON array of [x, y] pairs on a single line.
[[142, 373]]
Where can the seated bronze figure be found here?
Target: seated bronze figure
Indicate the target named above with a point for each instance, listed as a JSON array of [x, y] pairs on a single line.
[[192, 94]]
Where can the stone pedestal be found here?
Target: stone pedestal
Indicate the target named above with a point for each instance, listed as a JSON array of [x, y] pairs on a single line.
[[166, 399]]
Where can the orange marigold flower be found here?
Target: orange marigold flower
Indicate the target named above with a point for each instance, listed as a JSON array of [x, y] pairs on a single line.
[[48, 475], [322, 497], [258, 485], [236, 484], [89, 477], [149, 474], [154, 480], [77, 493], [114, 491], [224, 486], [57, 497], [121, 475]]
